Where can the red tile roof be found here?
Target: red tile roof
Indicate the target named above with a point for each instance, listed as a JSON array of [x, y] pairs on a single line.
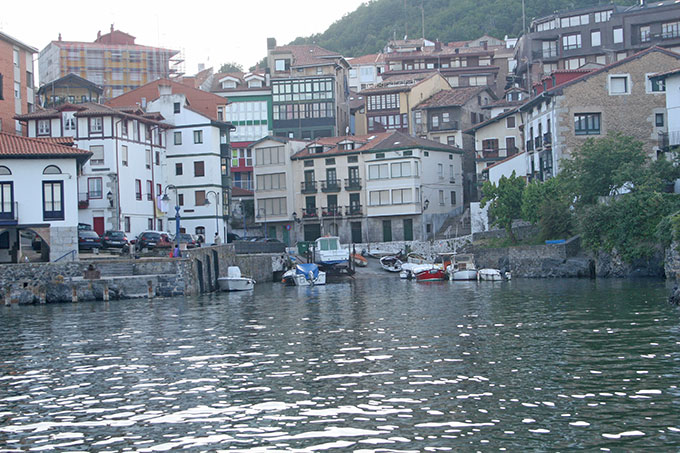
[[17, 146], [453, 97], [91, 109], [239, 192], [200, 101], [374, 58]]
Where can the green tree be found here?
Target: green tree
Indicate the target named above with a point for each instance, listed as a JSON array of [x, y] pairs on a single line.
[[231, 67], [505, 202], [548, 205]]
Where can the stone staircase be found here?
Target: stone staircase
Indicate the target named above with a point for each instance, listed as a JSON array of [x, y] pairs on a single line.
[[116, 269], [455, 226]]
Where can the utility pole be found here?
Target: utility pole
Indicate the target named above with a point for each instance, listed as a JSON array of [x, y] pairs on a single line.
[[422, 16]]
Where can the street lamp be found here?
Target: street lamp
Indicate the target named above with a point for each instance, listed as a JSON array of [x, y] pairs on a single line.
[[217, 206], [264, 210], [177, 218]]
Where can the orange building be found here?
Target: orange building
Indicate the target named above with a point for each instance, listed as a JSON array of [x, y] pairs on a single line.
[[16, 82]]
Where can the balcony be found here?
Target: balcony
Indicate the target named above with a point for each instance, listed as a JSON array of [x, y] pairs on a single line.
[[538, 142], [353, 210], [309, 213], [10, 217], [530, 145], [546, 54], [83, 200], [308, 186], [331, 211], [353, 184], [332, 185]]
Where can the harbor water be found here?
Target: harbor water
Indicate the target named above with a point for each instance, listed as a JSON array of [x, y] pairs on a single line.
[[375, 364]]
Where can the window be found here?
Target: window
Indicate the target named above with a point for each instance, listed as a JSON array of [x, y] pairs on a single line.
[[180, 199], [178, 137], [435, 121], [149, 223], [178, 169], [441, 197], [52, 170], [199, 168], [655, 85], [198, 136], [43, 127], [158, 158], [574, 63], [126, 224], [176, 107], [281, 65], [138, 189], [149, 190], [574, 21], [587, 124], [53, 200], [96, 125], [570, 42], [199, 198], [352, 159], [275, 181], [402, 196], [274, 155], [379, 171], [97, 154], [645, 35], [595, 38], [510, 122], [619, 84], [659, 119], [94, 188], [602, 16], [490, 144], [453, 198], [147, 154], [670, 30], [379, 197], [124, 128], [401, 169], [451, 140], [618, 35], [273, 206]]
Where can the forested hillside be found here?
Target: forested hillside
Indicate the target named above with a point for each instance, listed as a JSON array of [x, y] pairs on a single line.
[[369, 27]]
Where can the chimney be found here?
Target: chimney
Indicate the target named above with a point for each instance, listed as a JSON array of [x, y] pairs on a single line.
[[437, 46], [99, 35], [485, 45], [111, 28], [271, 43], [59, 36], [201, 67]]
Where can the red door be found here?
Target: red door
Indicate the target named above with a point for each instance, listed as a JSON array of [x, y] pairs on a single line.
[[98, 225]]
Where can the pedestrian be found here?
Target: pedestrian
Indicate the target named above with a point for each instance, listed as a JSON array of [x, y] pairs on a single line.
[[200, 240], [218, 239]]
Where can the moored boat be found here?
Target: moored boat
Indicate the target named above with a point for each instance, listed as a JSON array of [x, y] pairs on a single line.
[[462, 267], [391, 263], [409, 270], [234, 281], [433, 274], [488, 274], [359, 260], [305, 274]]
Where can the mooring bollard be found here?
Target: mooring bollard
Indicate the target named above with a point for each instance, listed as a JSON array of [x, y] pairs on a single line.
[[74, 294], [106, 293], [150, 284]]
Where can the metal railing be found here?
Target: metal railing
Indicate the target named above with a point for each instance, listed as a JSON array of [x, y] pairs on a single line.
[[10, 217], [308, 186], [72, 253], [332, 185], [309, 213], [530, 145], [353, 184], [353, 210], [331, 211], [547, 138]]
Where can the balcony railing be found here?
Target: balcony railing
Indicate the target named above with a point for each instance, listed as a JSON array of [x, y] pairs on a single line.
[[530, 145], [547, 138], [353, 184], [331, 211], [496, 154], [309, 213], [247, 185], [332, 185], [545, 54], [353, 210], [308, 186], [9, 217], [538, 142]]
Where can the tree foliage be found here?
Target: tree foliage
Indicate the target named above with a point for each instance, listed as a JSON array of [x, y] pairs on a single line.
[[231, 67], [505, 201], [368, 28]]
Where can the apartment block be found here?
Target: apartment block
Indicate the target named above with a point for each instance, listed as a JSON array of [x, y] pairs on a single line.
[[17, 83]]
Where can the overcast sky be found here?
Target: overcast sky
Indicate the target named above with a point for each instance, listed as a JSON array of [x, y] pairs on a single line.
[[207, 32]]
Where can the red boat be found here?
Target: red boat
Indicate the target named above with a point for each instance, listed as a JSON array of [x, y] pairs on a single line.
[[431, 275]]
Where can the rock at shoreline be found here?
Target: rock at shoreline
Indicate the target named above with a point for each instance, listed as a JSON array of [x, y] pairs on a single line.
[[674, 298]]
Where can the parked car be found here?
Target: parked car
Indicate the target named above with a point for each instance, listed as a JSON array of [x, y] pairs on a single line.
[[186, 238], [89, 240], [84, 226], [151, 239], [231, 237], [115, 239]]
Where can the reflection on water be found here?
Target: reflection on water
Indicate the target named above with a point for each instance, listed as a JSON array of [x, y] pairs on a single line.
[[376, 365]]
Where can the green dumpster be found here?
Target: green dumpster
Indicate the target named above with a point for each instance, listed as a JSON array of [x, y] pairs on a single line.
[[303, 247]]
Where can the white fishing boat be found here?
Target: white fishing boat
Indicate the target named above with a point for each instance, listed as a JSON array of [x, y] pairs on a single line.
[[234, 281], [391, 263], [416, 258], [305, 274], [410, 270], [328, 251], [488, 274], [462, 267]]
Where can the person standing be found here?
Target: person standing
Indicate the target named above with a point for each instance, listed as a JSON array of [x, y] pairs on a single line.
[[218, 239]]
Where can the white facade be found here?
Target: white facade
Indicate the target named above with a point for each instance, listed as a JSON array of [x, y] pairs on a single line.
[[194, 166], [673, 108], [516, 163]]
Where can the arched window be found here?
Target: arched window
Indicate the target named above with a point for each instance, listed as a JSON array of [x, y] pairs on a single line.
[[52, 170], [4, 170]]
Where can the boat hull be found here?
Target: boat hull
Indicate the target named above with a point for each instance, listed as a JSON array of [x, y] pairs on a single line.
[[290, 278], [490, 275], [431, 275], [235, 284], [466, 274]]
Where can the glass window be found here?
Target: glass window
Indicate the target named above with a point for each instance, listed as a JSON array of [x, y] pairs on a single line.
[[618, 35], [94, 188], [587, 124], [53, 196], [198, 136], [595, 38], [97, 154], [178, 137], [618, 84]]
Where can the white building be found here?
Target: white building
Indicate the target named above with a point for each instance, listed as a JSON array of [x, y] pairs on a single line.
[[366, 71], [118, 187], [38, 195]]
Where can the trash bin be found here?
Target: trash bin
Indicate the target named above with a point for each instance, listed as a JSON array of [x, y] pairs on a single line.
[[303, 247]]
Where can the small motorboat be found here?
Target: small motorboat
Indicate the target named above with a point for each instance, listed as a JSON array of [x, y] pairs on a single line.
[[433, 274], [416, 258], [409, 270], [304, 274], [488, 274], [462, 267], [391, 263], [377, 253], [359, 260], [234, 281]]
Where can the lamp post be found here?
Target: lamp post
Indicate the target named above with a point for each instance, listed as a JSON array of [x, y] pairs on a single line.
[[177, 217], [217, 206], [243, 216], [265, 220]]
